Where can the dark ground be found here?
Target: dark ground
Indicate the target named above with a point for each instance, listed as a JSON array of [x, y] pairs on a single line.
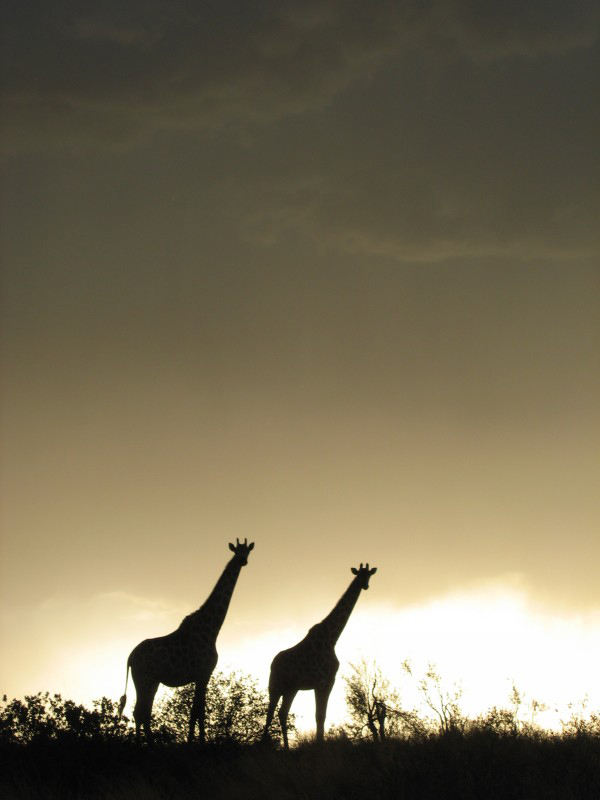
[[450, 766]]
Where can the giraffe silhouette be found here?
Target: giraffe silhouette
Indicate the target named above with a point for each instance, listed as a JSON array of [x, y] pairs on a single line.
[[188, 655], [312, 663]]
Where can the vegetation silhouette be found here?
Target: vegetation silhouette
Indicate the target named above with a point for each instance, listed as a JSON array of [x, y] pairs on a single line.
[[312, 663], [188, 655], [375, 708], [43, 717], [235, 710], [53, 748], [44, 757]]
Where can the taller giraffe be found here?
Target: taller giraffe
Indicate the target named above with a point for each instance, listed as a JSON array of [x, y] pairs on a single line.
[[312, 663], [188, 655]]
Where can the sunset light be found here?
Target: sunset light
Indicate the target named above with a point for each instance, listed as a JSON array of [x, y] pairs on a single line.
[[482, 640], [300, 338]]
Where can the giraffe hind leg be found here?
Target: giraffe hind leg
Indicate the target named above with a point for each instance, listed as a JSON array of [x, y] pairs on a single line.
[[142, 712]]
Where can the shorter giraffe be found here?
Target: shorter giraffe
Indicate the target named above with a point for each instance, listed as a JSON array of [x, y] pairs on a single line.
[[188, 655], [312, 663]]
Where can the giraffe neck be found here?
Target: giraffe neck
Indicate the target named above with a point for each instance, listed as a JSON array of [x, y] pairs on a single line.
[[335, 622], [214, 609]]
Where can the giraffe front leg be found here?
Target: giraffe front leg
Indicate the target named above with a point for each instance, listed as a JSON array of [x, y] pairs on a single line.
[[321, 700], [273, 700], [197, 714], [286, 704]]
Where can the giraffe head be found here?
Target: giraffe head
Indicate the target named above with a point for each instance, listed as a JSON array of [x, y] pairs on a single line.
[[363, 574], [242, 550]]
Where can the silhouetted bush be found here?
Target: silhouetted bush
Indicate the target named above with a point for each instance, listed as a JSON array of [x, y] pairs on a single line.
[[235, 713], [375, 708], [45, 716], [235, 710], [580, 724]]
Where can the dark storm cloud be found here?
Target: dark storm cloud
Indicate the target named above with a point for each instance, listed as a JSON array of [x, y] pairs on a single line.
[[455, 128], [106, 72]]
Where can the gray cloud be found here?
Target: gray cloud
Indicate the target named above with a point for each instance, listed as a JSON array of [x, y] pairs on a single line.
[[182, 65], [488, 29], [422, 217], [109, 72]]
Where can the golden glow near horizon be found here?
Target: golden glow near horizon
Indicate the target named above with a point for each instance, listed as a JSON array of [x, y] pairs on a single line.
[[483, 639]]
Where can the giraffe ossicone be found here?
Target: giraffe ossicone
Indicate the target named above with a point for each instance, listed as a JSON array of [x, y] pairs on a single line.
[[187, 655], [312, 664]]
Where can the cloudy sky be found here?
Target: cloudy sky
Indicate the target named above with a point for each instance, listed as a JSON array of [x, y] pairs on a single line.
[[323, 274]]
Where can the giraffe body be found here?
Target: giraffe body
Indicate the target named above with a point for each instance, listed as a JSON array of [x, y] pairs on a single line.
[[174, 659], [187, 655], [312, 664]]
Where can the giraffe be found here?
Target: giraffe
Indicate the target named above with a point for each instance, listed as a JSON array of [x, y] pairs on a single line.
[[188, 655], [312, 663]]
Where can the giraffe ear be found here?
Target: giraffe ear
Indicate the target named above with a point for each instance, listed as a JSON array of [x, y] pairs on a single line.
[[354, 571], [231, 547], [373, 571], [251, 546]]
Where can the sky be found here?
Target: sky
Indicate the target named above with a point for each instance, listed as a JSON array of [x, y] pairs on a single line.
[[323, 275]]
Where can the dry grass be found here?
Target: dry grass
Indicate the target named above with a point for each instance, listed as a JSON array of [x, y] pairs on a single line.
[[469, 766]]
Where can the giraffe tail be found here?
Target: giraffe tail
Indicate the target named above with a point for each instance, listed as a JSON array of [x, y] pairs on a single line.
[[123, 699]]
